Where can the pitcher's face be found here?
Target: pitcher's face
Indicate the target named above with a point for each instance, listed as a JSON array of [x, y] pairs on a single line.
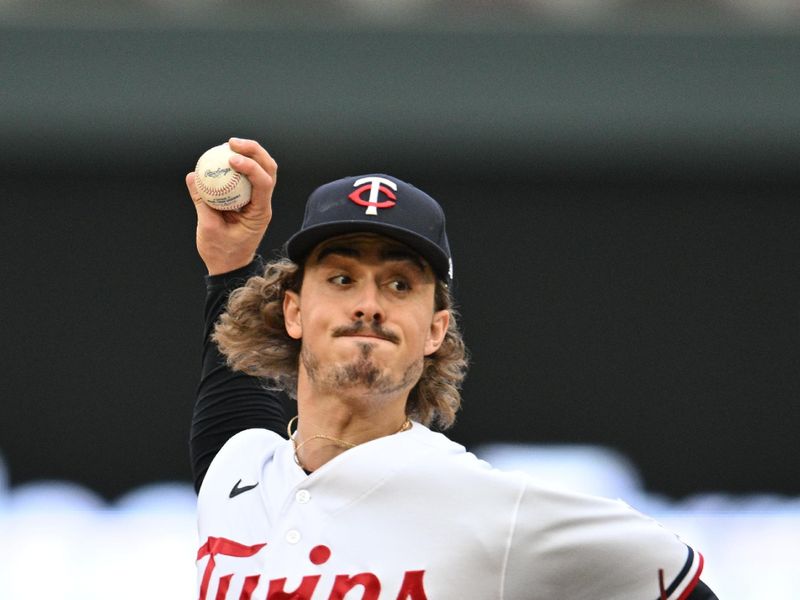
[[365, 315]]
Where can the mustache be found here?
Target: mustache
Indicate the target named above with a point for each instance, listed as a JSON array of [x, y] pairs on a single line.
[[359, 327]]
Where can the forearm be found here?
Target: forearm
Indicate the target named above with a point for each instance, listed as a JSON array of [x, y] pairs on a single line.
[[227, 402]]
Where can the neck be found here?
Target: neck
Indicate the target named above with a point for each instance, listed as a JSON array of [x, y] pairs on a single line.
[[328, 425]]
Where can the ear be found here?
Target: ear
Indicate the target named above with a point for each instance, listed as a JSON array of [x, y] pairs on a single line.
[[291, 315], [439, 324]]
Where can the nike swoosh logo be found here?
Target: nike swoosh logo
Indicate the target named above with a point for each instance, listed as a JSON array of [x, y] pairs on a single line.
[[236, 490]]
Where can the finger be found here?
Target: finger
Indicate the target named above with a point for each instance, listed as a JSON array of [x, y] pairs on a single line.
[[263, 183], [252, 149], [253, 170], [190, 185], [205, 214]]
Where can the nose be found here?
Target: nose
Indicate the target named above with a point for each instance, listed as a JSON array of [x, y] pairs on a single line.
[[368, 306]]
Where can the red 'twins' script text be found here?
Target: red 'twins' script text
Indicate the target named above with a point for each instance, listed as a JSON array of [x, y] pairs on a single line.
[[411, 588]]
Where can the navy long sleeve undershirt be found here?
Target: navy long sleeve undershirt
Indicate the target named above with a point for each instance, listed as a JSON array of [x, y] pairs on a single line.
[[227, 402]]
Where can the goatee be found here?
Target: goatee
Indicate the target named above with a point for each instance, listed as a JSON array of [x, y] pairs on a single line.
[[362, 372]]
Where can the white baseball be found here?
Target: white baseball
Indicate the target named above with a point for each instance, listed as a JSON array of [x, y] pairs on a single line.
[[221, 186]]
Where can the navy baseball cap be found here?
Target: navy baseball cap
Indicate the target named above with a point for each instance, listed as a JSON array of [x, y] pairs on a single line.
[[376, 204]]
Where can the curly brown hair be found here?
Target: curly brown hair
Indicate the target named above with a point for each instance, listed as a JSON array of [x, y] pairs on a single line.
[[251, 334]]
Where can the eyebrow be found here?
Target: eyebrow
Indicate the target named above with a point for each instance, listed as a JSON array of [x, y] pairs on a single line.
[[389, 254]]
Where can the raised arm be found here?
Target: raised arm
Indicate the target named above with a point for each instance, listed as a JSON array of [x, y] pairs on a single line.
[[227, 241]]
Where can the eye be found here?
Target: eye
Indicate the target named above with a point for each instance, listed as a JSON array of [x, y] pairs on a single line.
[[399, 285], [340, 280]]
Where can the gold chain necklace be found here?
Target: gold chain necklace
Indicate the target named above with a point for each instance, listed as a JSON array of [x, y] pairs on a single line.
[[321, 436]]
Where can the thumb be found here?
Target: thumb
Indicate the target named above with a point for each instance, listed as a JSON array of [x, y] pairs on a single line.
[[205, 214]]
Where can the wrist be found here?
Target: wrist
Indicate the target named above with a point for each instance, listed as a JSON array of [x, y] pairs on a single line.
[[235, 277], [228, 265]]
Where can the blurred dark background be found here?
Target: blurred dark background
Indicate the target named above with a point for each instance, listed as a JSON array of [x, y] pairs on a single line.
[[621, 192]]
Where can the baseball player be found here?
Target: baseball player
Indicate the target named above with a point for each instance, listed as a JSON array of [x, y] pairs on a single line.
[[359, 498]]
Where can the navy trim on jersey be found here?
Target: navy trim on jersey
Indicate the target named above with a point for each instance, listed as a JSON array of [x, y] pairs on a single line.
[[687, 565], [680, 576]]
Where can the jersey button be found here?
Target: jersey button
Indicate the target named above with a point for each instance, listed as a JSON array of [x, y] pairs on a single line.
[[303, 496], [293, 536]]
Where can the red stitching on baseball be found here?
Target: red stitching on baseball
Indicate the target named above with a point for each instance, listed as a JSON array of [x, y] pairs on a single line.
[[229, 187]]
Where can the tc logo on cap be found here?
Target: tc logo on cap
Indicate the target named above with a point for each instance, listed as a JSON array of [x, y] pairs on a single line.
[[375, 185]]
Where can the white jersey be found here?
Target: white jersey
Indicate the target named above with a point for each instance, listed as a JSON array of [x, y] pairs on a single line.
[[414, 516]]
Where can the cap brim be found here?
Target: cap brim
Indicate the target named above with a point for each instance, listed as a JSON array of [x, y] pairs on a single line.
[[303, 242]]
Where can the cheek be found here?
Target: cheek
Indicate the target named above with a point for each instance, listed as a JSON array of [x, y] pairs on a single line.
[[419, 334], [318, 324], [311, 324]]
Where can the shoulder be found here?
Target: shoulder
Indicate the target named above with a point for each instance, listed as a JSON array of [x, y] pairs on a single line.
[[248, 441], [442, 462], [243, 455], [568, 545], [595, 547]]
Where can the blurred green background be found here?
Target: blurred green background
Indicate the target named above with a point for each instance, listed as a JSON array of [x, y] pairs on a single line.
[[620, 179]]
